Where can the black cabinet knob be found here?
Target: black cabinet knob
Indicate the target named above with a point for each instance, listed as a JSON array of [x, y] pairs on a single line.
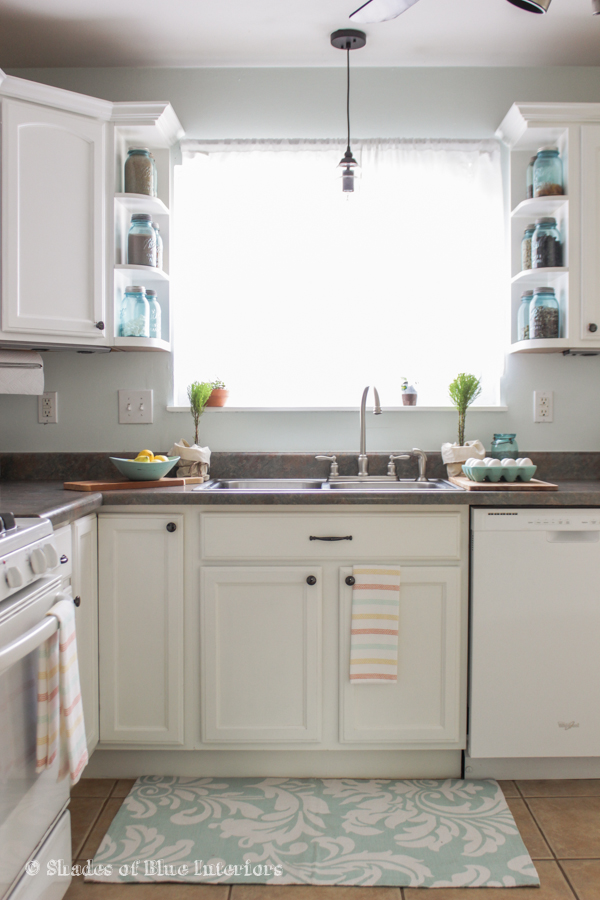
[[311, 579], [64, 559], [171, 526], [592, 327], [77, 601], [100, 326], [350, 580]]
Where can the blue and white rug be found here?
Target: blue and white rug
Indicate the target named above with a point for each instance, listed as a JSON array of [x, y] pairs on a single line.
[[325, 831]]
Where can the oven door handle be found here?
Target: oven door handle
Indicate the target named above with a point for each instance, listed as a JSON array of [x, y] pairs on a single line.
[[31, 640]]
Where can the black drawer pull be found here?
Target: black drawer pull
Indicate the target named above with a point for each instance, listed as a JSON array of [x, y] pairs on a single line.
[[77, 601], [311, 579], [64, 559], [347, 538], [350, 580]]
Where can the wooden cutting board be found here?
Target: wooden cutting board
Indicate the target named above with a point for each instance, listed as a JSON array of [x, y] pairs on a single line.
[[533, 485], [129, 485]]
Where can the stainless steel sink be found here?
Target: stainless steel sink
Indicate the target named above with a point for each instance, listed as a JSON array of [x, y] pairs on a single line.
[[434, 484], [295, 485], [264, 484]]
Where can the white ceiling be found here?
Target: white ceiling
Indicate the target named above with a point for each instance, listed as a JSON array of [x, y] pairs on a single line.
[[291, 33]]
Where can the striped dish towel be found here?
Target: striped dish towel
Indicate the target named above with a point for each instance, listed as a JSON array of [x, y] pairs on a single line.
[[60, 725], [375, 617]]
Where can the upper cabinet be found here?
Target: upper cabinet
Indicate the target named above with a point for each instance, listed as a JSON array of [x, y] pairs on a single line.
[[574, 128], [65, 216]]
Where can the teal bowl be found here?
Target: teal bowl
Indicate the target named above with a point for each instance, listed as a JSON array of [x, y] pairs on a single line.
[[140, 471], [496, 473]]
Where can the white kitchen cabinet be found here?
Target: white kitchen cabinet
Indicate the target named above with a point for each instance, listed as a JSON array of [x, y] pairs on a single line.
[[590, 235], [260, 671], [84, 582], [53, 223], [141, 629], [424, 704]]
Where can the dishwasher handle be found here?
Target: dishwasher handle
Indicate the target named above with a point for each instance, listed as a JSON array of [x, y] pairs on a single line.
[[573, 537]]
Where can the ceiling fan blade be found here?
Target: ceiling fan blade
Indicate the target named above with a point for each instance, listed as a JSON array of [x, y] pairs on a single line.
[[380, 10]]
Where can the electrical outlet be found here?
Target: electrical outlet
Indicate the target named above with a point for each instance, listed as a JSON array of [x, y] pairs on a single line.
[[543, 406], [135, 408], [47, 408]]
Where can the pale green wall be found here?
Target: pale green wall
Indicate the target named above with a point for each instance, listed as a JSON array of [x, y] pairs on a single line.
[[232, 103]]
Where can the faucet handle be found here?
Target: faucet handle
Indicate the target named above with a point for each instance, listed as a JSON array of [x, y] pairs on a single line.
[[391, 469], [422, 460], [334, 470]]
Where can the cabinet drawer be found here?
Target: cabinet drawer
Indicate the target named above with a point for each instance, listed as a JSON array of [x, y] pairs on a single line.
[[235, 536]]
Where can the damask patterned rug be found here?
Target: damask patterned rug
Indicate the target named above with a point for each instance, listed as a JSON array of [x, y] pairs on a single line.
[[325, 831]]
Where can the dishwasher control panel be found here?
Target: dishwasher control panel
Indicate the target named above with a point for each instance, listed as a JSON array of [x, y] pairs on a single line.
[[535, 520]]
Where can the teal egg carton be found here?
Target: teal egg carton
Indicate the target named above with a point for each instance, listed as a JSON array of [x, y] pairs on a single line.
[[499, 473]]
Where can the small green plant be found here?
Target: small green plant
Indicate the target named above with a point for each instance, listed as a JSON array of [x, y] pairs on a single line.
[[463, 390], [198, 394], [218, 385]]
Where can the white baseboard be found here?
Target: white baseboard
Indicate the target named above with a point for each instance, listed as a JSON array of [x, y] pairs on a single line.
[[532, 768], [297, 764]]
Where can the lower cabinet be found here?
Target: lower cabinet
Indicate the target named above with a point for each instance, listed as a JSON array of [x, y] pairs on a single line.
[[423, 706], [260, 658], [84, 581], [141, 628]]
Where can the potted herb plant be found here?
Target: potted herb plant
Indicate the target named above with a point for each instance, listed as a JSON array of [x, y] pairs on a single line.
[[463, 391], [198, 394], [219, 394]]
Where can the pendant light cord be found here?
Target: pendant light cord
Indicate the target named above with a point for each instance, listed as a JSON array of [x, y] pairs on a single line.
[[348, 91]]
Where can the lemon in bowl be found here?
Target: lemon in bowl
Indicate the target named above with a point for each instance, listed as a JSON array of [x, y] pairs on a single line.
[[143, 468]]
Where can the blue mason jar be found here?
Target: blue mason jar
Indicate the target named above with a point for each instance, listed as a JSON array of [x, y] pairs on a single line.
[[135, 313], [504, 446], [544, 314], [140, 172], [155, 314], [523, 316], [547, 173], [141, 241], [529, 178], [526, 260], [546, 244], [159, 245]]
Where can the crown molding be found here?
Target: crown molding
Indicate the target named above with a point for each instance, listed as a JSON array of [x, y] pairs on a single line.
[[44, 94]]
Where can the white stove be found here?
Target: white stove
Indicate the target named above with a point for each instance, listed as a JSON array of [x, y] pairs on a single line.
[[34, 821]]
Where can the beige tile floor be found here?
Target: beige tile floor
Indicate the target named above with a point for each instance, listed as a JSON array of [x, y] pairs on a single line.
[[558, 820]]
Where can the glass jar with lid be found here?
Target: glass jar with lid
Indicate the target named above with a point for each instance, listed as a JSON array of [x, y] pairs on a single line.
[[523, 316], [141, 241], [155, 314], [547, 173], [544, 314], [526, 262], [504, 446], [546, 244], [140, 172], [135, 314], [159, 246], [529, 178]]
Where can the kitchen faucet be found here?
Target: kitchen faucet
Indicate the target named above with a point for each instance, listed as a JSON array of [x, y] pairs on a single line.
[[363, 461], [421, 459]]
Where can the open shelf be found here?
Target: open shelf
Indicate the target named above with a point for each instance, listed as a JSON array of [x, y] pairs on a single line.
[[544, 277], [542, 345], [142, 203], [150, 273], [539, 206], [141, 343]]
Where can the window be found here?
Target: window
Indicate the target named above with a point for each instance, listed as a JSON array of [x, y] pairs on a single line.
[[298, 296]]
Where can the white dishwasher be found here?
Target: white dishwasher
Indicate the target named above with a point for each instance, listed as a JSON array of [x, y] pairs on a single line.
[[535, 633]]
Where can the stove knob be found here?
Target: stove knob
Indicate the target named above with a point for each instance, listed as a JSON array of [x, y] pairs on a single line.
[[51, 556], [37, 561], [14, 579]]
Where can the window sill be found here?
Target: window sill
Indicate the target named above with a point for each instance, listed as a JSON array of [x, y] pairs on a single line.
[[329, 409]]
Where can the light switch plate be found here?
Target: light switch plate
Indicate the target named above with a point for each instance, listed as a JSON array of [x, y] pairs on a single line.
[[135, 407], [47, 408]]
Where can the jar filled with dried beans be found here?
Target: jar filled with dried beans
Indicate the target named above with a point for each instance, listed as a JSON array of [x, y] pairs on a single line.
[[523, 316], [547, 173], [140, 172], [546, 244], [543, 314], [526, 248]]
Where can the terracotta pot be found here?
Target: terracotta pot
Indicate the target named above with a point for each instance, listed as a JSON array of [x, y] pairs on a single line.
[[218, 397]]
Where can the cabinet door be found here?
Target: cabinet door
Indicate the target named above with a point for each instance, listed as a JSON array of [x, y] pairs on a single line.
[[424, 706], [590, 234], [53, 222], [140, 569], [84, 580], [261, 654]]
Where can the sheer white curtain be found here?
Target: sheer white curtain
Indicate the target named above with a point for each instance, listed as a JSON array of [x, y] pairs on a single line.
[[297, 296]]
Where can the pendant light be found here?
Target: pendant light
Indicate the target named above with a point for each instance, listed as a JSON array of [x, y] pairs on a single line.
[[534, 6], [596, 7], [380, 10], [348, 39]]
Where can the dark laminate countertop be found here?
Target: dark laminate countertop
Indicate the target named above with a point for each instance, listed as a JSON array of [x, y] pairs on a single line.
[[50, 499]]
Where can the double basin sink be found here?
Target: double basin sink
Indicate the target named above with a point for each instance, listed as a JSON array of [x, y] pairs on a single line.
[[301, 485]]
